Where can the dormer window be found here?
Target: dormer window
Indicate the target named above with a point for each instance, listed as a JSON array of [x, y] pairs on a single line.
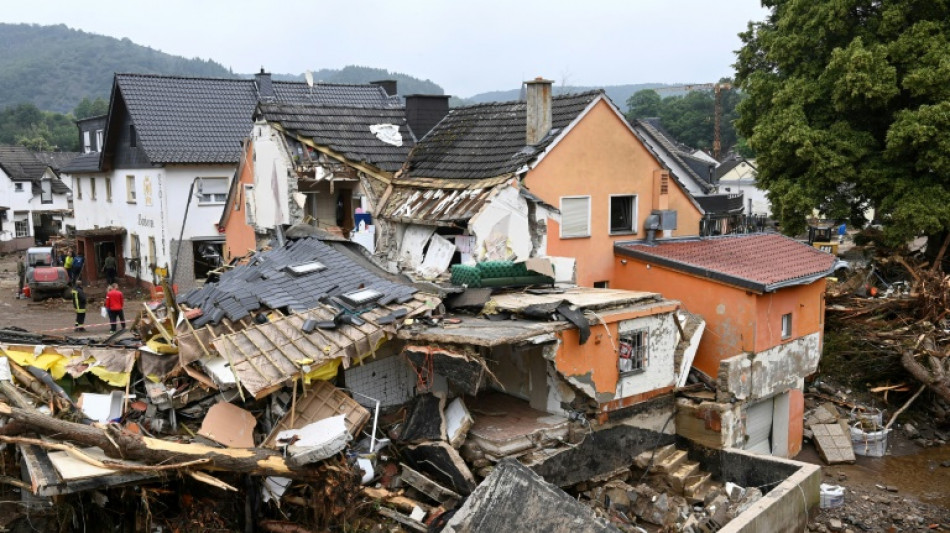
[[86, 142], [98, 140]]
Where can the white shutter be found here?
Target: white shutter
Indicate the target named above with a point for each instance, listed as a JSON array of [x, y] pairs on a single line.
[[758, 427], [575, 217], [214, 185]]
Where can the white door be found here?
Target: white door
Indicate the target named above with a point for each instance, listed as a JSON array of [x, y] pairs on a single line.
[[758, 427]]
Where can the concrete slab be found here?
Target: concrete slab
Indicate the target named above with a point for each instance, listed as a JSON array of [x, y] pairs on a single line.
[[834, 445]]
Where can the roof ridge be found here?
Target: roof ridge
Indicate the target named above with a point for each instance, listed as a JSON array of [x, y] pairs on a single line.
[[564, 96], [178, 76]]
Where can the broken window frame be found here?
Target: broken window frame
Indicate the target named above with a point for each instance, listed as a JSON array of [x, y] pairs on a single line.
[[786, 326], [631, 226], [633, 347], [579, 234]]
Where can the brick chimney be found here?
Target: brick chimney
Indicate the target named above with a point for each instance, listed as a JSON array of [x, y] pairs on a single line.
[[265, 86], [538, 99], [424, 111], [388, 85]]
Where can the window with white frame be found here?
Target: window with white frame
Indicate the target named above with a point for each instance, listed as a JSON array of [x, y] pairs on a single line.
[[108, 189], [213, 190], [623, 214], [786, 325], [633, 352], [86, 142], [22, 228], [575, 216], [18, 186], [130, 189], [249, 206], [92, 188], [46, 191], [98, 140], [77, 188]]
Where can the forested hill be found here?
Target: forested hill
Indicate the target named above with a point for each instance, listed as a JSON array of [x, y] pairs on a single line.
[[55, 67], [617, 93]]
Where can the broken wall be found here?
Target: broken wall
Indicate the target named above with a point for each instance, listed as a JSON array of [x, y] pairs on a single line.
[[770, 372], [502, 229], [714, 425], [273, 183], [593, 369]]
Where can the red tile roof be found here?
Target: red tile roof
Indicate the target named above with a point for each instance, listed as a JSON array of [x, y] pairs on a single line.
[[762, 261]]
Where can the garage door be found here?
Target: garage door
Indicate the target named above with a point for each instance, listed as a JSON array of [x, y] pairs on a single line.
[[759, 427]]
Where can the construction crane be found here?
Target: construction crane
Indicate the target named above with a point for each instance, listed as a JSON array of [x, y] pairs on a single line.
[[717, 89]]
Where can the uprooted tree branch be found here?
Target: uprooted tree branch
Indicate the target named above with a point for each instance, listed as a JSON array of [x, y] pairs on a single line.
[[911, 329]]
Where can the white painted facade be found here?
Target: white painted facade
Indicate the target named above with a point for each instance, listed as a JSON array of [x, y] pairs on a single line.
[[272, 184], [24, 206], [742, 179], [150, 204], [660, 371]]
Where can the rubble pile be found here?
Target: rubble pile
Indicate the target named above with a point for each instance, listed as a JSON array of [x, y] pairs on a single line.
[[878, 508], [890, 324]]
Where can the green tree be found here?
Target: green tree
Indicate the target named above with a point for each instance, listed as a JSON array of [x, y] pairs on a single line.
[[644, 104], [849, 107], [91, 108]]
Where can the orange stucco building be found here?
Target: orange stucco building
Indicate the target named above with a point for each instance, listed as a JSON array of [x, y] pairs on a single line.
[[240, 237], [598, 158], [762, 296]]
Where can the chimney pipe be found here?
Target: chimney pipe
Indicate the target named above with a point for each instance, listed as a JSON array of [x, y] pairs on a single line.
[[388, 85], [265, 86], [539, 118], [424, 111]]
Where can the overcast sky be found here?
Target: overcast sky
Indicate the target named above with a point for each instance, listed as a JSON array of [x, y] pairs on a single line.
[[466, 47]]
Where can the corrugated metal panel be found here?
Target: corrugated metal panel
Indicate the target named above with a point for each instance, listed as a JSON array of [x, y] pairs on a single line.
[[758, 426]]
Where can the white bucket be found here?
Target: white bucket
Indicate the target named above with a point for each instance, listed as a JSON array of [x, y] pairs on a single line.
[[831, 496], [869, 443]]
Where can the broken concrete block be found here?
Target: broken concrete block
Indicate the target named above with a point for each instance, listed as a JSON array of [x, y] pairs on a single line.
[[229, 425], [427, 486], [457, 422], [513, 498], [425, 420], [443, 464], [833, 444]]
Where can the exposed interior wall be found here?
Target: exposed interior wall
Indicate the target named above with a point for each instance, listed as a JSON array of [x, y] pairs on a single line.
[[501, 228], [600, 157], [240, 237], [272, 167], [730, 312]]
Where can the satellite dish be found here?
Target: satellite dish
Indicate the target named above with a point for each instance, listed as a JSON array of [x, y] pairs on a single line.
[[309, 77]]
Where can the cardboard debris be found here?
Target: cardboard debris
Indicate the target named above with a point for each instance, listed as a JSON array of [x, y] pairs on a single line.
[[229, 425]]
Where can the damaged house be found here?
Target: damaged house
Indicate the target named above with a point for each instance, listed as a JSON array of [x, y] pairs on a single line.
[[762, 297], [153, 189], [321, 165], [560, 177]]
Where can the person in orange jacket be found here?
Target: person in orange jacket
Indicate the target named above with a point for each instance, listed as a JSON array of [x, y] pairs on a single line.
[[115, 301]]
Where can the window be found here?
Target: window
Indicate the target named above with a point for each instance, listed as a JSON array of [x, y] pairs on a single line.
[[135, 257], [98, 140], [18, 186], [575, 216], [92, 188], [151, 251], [633, 352], [77, 188], [212, 190], [623, 214], [108, 189], [86, 142], [22, 228], [130, 189], [132, 142], [46, 191], [601, 284], [786, 325]]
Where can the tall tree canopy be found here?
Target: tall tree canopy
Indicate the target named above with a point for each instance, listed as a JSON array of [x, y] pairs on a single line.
[[849, 107], [690, 117]]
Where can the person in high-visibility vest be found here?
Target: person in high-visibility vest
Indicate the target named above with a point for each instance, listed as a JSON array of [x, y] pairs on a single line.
[[79, 303]]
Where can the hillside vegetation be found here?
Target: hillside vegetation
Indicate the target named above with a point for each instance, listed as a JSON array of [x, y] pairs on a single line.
[[55, 67]]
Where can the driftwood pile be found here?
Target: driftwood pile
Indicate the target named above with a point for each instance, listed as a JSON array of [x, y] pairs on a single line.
[[894, 329]]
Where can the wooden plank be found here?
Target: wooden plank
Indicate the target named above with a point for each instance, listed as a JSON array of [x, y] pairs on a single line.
[[427, 486]]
